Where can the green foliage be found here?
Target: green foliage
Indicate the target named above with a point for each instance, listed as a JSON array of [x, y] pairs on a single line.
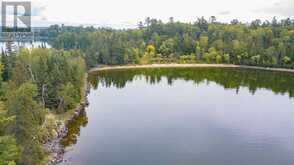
[[39, 79], [227, 58], [29, 116], [167, 47], [9, 150], [49, 70], [218, 59], [150, 49], [286, 60], [212, 56], [255, 59], [198, 50], [261, 43], [68, 97], [5, 120], [7, 63], [203, 40], [187, 58]]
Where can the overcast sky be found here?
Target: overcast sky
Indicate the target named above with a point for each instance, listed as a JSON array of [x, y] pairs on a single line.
[[127, 13]]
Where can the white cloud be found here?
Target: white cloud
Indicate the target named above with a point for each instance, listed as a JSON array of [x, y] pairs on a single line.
[[281, 8], [127, 13]]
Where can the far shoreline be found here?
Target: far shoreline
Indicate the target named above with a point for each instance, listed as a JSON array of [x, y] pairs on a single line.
[[106, 67]]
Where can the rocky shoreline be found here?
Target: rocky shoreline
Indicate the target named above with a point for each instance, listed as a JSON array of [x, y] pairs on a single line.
[[53, 146]]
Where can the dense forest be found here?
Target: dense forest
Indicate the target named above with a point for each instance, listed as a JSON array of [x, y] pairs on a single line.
[[36, 83], [269, 43]]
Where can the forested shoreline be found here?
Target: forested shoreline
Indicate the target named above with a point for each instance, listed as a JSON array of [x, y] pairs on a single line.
[[39, 84], [269, 43], [36, 86]]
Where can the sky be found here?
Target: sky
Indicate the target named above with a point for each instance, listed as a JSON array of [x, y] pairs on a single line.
[[127, 13]]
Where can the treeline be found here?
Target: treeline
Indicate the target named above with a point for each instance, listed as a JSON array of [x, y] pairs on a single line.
[[34, 83], [269, 43]]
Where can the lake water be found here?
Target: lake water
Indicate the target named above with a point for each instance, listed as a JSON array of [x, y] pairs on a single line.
[[29, 45], [185, 116]]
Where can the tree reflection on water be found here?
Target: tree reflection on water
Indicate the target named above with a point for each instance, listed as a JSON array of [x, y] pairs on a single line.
[[229, 78], [74, 128]]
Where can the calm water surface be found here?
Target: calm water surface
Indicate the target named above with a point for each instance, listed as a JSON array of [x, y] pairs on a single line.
[[185, 117]]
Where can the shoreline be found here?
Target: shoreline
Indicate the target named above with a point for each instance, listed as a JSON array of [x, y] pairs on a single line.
[[187, 66], [53, 145]]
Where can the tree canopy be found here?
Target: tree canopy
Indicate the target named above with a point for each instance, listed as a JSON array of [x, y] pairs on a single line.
[[35, 82], [268, 43]]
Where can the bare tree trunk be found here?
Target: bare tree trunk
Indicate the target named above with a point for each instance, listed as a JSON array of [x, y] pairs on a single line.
[[61, 102], [31, 72], [43, 94]]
